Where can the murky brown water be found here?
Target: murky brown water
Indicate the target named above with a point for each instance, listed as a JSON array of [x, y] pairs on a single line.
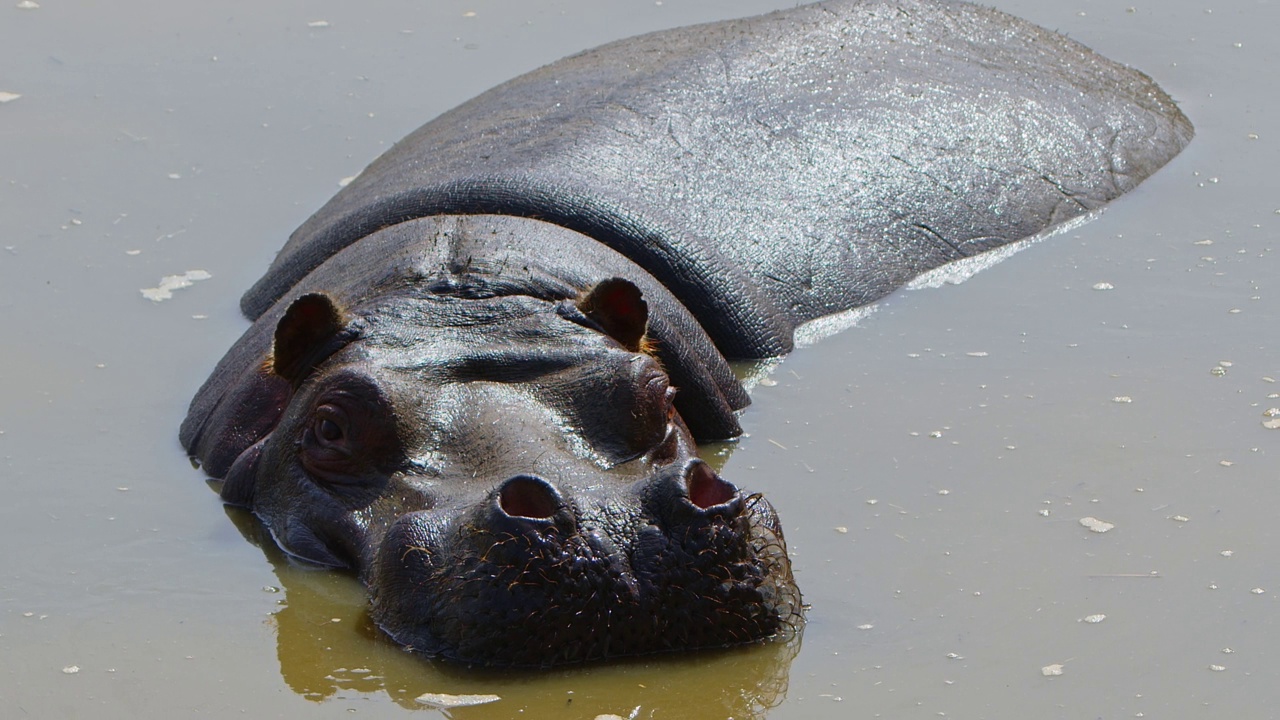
[[931, 465]]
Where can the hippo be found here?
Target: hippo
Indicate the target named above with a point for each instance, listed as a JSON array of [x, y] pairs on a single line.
[[478, 376]]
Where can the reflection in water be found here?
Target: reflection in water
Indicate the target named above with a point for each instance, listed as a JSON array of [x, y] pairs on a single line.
[[329, 649], [750, 373]]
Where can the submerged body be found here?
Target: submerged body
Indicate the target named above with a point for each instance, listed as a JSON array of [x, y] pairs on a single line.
[[477, 375]]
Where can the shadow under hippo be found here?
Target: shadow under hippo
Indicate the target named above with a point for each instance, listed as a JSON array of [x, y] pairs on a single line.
[[477, 376]]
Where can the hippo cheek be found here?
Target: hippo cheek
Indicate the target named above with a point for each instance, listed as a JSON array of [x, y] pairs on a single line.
[[531, 577]]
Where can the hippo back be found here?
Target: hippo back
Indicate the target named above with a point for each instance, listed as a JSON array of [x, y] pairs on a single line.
[[780, 168]]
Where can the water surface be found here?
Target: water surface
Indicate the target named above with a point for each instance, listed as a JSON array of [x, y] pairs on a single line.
[[931, 465]]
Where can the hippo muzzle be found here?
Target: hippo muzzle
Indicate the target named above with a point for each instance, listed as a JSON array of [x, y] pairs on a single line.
[[532, 576]]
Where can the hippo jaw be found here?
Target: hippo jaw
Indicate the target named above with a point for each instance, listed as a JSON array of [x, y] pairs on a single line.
[[529, 578], [515, 491]]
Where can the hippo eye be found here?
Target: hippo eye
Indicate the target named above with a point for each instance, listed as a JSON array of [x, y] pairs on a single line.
[[651, 424], [329, 427], [328, 430], [327, 448], [349, 439]]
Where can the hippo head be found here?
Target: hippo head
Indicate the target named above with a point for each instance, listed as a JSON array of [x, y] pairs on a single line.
[[510, 477]]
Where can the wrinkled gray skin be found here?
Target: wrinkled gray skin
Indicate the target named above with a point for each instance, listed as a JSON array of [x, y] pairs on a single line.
[[445, 386]]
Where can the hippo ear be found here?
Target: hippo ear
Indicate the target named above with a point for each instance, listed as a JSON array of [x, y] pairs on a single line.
[[312, 329], [618, 307]]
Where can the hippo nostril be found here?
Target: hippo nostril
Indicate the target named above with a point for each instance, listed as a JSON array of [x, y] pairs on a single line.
[[528, 496], [706, 488]]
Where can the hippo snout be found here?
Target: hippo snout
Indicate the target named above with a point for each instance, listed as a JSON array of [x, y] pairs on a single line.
[[542, 573]]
